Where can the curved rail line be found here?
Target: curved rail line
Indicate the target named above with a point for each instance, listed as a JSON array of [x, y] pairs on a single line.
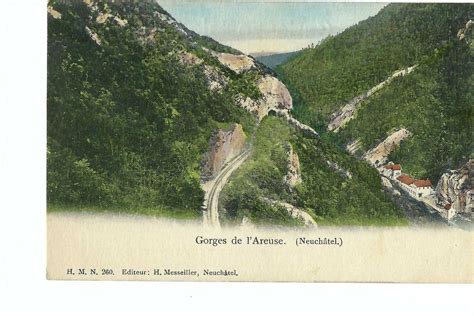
[[211, 204]]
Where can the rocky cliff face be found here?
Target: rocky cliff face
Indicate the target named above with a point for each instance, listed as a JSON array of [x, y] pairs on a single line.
[[293, 175], [275, 93], [455, 187], [215, 78], [294, 212], [224, 145], [55, 14], [377, 156], [465, 30], [275, 97], [305, 129], [236, 63], [341, 117], [353, 146]]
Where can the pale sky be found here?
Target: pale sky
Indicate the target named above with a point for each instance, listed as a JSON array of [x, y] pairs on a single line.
[[268, 25]]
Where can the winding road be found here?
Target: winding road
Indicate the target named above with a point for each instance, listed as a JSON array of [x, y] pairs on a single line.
[[214, 187]]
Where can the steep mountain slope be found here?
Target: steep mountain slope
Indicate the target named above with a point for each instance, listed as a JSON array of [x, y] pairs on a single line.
[[142, 112], [331, 186], [274, 60], [411, 67], [133, 98]]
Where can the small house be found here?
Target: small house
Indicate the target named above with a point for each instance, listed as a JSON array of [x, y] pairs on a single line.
[[406, 183], [392, 171], [422, 187], [416, 188]]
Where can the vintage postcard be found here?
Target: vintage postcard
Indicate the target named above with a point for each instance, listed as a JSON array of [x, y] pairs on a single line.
[[260, 141]]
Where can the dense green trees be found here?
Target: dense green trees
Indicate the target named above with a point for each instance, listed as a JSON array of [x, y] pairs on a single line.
[[435, 108], [330, 197], [127, 122], [348, 64], [434, 102]]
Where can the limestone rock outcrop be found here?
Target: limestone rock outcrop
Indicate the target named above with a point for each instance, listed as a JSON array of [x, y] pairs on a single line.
[[93, 35], [104, 17], [303, 128], [353, 146], [377, 156], [55, 14], [189, 59], [455, 187], [215, 78], [293, 175], [342, 116], [465, 30], [236, 63], [224, 145], [275, 93], [275, 97], [294, 212]]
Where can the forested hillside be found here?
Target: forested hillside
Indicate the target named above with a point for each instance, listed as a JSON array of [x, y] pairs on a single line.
[[434, 101], [335, 188], [128, 122], [134, 100]]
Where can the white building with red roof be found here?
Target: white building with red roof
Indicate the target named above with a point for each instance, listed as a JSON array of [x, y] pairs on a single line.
[[392, 171], [416, 188], [421, 190]]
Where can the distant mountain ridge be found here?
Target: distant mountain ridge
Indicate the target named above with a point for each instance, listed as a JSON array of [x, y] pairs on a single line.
[[273, 60]]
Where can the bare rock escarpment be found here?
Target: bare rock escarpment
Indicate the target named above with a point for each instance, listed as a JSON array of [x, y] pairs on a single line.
[[236, 63], [93, 35], [55, 14], [353, 146], [275, 97], [214, 77], [293, 175], [189, 59], [224, 145], [342, 116], [303, 128], [455, 187], [294, 212], [377, 156], [275, 93], [465, 30]]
